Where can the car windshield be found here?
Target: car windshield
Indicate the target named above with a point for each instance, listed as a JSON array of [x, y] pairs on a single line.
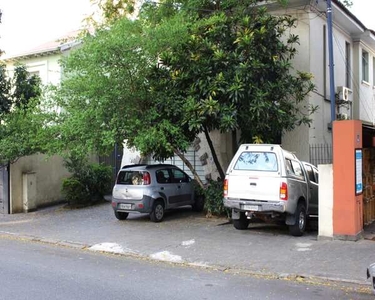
[[257, 161], [130, 177]]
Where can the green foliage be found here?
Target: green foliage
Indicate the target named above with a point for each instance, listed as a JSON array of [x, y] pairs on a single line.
[[347, 3], [89, 182], [75, 192], [213, 194], [26, 87], [22, 118], [5, 90], [111, 10], [182, 68]]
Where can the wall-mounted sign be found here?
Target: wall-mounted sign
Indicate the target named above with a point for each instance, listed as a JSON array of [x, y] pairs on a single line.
[[358, 172]]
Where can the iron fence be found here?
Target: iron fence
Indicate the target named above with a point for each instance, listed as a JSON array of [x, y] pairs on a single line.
[[320, 154]]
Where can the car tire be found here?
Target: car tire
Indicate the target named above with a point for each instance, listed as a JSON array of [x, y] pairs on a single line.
[[298, 228], [157, 213], [241, 223], [120, 215], [198, 203]]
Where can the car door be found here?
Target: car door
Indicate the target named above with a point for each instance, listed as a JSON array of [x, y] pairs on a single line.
[[184, 186], [165, 186], [312, 174]]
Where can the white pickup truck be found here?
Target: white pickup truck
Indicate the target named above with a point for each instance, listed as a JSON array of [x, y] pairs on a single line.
[[267, 182]]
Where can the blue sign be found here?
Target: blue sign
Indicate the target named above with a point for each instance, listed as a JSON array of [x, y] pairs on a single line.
[[358, 172]]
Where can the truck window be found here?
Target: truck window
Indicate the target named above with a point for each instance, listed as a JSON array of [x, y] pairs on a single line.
[[297, 168], [310, 173], [316, 173], [294, 168], [257, 161]]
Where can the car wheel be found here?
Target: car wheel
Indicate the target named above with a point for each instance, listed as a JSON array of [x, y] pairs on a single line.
[[241, 223], [121, 215], [298, 228], [198, 203], [157, 213]]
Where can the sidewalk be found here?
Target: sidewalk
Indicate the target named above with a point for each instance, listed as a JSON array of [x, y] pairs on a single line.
[[190, 238]]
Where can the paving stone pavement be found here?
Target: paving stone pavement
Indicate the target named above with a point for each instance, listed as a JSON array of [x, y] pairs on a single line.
[[191, 238]]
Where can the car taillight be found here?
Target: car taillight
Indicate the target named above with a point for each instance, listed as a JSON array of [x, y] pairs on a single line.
[[225, 187], [146, 178], [283, 191]]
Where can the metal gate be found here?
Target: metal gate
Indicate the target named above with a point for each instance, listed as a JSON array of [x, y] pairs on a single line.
[[4, 190], [113, 160]]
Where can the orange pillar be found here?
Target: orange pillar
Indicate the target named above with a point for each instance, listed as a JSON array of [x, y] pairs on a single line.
[[347, 206]]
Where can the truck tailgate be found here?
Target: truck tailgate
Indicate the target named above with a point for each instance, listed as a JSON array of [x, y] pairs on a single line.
[[263, 188]]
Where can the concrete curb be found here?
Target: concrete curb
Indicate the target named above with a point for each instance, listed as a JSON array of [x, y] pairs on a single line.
[[307, 278]]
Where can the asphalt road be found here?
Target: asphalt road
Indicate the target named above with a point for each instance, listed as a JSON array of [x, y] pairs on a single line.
[[30, 270]]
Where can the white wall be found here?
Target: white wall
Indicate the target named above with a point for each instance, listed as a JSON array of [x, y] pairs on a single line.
[[48, 68], [223, 145], [130, 156], [49, 174], [364, 90], [325, 202], [297, 141]]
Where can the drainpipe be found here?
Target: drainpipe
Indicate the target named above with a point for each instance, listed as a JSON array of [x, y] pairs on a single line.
[[331, 64]]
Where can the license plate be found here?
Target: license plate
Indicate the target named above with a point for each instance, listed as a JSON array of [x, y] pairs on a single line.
[[124, 206], [251, 207]]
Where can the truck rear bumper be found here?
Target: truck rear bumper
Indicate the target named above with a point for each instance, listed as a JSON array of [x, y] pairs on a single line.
[[255, 206]]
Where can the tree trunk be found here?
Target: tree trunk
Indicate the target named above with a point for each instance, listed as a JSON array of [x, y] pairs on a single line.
[[214, 156], [190, 166]]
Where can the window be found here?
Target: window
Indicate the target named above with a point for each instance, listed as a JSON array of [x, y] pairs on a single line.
[[179, 176], [316, 173], [347, 65], [257, 161], [365, 66], [130, 178], [294, 168], [162, 176], [310, 173], [373, 71], [297, 169]]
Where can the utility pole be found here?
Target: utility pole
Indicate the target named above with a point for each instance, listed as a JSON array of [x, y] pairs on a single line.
[[331, 64]]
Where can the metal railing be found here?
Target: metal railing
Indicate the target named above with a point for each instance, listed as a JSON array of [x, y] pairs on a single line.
[[320, 154]]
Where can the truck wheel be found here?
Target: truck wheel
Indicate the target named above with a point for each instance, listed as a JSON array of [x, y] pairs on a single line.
[[298, 228], [241, 223]]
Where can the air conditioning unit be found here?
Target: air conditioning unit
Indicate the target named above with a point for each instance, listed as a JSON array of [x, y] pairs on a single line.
[[343, 116], [343, 93]]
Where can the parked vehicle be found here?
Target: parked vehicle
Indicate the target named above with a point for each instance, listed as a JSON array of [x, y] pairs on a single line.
[[152, 189], [371, 276], [270, 183]]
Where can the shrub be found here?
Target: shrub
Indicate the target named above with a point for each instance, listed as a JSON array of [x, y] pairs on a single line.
[[75, 192], [214, 205], [89, 182]]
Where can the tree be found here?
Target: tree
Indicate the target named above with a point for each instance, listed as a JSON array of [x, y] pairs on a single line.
[[347, 3], [182, 68], [22, 119], [235, 75]]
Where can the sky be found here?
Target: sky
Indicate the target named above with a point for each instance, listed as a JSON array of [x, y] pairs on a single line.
[[26, 24], [30, 23]]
